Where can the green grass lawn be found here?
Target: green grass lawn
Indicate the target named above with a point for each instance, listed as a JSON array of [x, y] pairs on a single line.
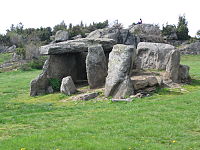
[[5, 57], [168, 120]]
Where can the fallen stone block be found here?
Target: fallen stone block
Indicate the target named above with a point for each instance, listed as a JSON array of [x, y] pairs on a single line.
[[122, 100], [67, 87], [87, 96]]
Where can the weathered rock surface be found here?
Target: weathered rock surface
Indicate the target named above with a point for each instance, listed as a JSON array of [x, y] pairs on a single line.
[[61, 36], [67, 86], [152, 81], [6, 49], [41, 84], [96, 66], [79, 36], [16, 57], [140, 84], [147, 29], [76, 46], [111, 33], [142, 80], [148, 90], [164, 57], [184, 75], [87, 96], [172, 68], [153, 55], [138, 95], [193, 48], [122, 100], [3, 48], [147, 33], [120, 36], [11, 49], [118, 83], [127, 38]]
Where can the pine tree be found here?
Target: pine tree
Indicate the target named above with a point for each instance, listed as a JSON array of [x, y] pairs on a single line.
[[182, 28]]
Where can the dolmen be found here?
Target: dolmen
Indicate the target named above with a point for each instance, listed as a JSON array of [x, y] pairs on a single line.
[[113, 59], [69, 58]]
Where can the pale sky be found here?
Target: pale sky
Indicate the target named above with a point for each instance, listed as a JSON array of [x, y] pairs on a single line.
[[37, 13]]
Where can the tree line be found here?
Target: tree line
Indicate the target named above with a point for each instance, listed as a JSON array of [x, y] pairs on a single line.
[[20, 36], [181, 29]]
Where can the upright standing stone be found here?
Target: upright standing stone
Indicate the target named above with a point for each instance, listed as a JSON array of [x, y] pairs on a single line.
[[40, 84], [172, 68], [96, 66], [118, 83]]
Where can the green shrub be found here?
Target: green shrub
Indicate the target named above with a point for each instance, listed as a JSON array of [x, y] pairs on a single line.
[[25, 67], [182, 28], [168, 29], [21, 51], [55, 83], [38, 63], [5, 40]]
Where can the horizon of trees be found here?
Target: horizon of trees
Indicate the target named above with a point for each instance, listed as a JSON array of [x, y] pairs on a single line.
[[18, 35], [181, 29], [28, 40]]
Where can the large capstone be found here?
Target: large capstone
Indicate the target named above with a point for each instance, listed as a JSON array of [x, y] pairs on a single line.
[[96, 66], [118, 83], [76, 46], [153, 55]]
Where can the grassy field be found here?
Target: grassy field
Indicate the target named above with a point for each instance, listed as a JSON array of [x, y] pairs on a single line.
[[168, 120]]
